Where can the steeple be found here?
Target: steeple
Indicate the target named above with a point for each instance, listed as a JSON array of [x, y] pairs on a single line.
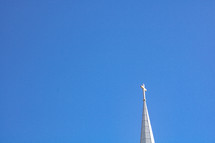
[[146, 129]]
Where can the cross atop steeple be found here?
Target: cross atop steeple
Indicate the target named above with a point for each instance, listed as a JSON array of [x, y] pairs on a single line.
[[144, 90]]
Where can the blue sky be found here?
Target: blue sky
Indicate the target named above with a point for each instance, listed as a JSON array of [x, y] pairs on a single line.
[[70, 71]]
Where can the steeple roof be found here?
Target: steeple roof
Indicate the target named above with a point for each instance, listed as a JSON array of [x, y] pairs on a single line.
[[146, 129]]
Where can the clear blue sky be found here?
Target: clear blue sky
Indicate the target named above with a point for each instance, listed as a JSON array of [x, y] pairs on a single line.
[[70, 71]]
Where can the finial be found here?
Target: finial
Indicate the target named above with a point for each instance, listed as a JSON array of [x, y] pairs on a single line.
[[144, 90]]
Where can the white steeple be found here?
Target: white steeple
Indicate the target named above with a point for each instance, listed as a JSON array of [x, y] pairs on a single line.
[[146, 129]]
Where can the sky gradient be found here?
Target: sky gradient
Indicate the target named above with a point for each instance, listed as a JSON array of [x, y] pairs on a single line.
[[70, 71]]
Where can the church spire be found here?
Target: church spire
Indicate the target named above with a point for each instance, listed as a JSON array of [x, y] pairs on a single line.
[[146, 129]]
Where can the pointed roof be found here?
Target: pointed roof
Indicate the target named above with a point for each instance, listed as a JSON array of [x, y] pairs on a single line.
[[146, 129]]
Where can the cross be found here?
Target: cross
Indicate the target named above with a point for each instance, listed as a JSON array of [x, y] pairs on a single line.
[[144, 90]]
